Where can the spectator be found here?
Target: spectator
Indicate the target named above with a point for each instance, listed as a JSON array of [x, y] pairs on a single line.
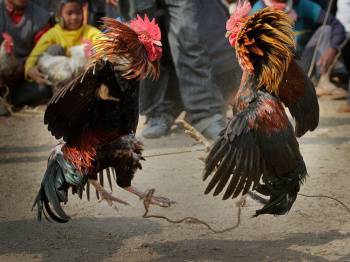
[[111, 9], [49, 5], [196, 63], [343, 16], [309, 17], [97, 10], [25, 22], [68, 32]]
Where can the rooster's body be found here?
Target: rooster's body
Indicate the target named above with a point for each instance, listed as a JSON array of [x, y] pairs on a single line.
[[258, 150], [97, 114]]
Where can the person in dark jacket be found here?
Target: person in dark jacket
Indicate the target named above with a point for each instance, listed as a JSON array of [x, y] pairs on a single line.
[[24, 22]]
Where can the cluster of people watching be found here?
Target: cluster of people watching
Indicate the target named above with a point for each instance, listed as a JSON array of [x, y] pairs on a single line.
[[199, 72]]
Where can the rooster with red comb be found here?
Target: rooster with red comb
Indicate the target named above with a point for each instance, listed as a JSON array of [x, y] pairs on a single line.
[[96, 114], [258, 149]]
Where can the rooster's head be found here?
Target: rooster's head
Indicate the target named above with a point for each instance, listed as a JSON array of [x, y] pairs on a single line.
[[8, 42], [236, 21], [149, 35]]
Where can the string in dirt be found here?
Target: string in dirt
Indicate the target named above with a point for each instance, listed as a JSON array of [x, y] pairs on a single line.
[[193, 220]]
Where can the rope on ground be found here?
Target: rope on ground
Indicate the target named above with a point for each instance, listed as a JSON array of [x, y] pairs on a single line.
[[329, 197], [194, 220], [175, 153]]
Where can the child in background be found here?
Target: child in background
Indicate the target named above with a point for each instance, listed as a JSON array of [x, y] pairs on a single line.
[[69, 31]]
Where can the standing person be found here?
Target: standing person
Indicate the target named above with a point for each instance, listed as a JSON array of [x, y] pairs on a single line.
[[24, 22], [195, 59], [68, 32]]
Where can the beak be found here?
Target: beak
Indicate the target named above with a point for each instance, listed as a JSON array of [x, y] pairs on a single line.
[[157, 43], [228, 33]]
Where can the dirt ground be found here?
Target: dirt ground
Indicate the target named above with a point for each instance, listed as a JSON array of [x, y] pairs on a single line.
[[314, 230]]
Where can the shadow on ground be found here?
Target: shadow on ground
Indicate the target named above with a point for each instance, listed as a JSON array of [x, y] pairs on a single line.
[[236, 250], [80, 240]]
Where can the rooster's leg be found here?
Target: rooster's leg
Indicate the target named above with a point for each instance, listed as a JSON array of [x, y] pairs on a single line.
[[150, 198], [108, 197]]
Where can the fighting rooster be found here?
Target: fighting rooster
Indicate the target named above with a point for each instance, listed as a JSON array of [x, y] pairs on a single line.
[[258, 149], [96, 114]]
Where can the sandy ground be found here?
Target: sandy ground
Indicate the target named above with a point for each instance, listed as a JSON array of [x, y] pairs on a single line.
[[314, 230]]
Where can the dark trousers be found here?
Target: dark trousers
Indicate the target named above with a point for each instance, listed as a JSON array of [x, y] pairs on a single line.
[[187, 78]]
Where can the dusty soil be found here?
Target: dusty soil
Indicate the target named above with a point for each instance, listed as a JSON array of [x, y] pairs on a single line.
[[314, 230]]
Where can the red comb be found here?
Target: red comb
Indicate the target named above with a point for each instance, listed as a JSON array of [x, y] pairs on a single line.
[[7, 37], [242, 10], [140, 25]]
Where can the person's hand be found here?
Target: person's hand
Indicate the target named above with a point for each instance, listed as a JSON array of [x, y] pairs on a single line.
[[37, 76], [112, 2], [327, 59]]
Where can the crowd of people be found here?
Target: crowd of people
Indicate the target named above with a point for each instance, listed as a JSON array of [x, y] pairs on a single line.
[[199, 71]]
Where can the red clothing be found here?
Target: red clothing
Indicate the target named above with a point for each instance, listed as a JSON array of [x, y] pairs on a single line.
[[15, 15]]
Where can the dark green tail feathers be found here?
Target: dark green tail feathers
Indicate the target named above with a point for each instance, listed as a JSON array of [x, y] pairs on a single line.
[[59, 176]]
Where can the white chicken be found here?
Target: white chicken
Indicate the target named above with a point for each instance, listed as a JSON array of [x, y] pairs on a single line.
[[8, 62], [61, 69]]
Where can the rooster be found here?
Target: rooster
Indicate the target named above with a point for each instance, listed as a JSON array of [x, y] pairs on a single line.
[[8, 62], [96, 114], [258, 149], [61, 69]]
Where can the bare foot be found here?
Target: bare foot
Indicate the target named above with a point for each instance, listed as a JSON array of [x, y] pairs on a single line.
[[344, 109]]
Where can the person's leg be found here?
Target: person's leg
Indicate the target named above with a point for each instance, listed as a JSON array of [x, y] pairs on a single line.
[[200, 95], [159, 99], [157, 102], [30, 93], [324, 86]]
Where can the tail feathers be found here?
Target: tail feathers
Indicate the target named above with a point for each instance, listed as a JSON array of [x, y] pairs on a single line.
[[54, 191], [283, 192]]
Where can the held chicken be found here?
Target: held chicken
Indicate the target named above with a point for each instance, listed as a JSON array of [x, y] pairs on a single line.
[[258, 149], [61, 69], [8, 62], [97, 114]]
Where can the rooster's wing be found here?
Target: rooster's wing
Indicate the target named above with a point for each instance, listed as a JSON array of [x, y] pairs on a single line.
[[71, 110], [297, 92], [258, 142]]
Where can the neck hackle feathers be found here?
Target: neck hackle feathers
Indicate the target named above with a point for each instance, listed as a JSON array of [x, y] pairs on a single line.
[[265, 45], [134, 50]]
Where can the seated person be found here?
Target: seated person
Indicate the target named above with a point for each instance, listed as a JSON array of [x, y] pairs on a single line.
[[70, 31], [343, 16], [21, 25], [309, 17]]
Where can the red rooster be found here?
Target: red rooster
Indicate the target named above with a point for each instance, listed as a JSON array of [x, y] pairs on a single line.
[[97, 114], [258, 149]]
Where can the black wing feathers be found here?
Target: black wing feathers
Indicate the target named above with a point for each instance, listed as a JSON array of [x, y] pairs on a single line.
[[239, 157]]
